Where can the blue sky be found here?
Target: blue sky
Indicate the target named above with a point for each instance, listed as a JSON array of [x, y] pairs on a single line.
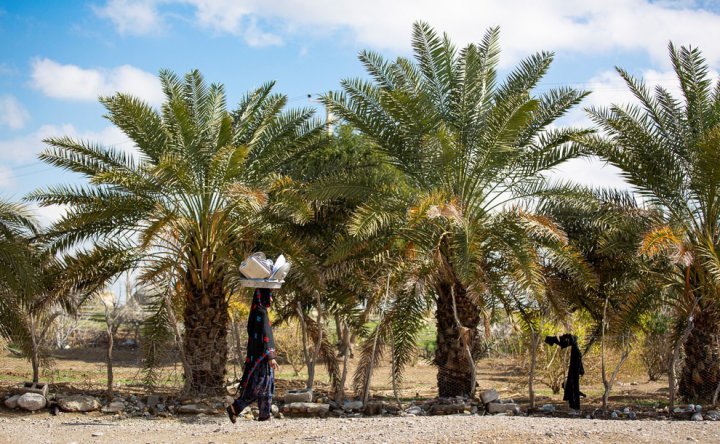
[[56, 57]]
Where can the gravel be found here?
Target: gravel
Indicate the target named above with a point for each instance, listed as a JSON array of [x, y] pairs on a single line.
[[456, 428]]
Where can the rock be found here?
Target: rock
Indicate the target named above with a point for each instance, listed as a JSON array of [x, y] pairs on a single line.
[[11, 402], [548, 408], [698, 408], [79, 403], [496, 407], [194, 409], [626, 410], [447, 409], [414, 410], [352, 406], [274, 410], [97, 434], [34, 387], [298, 396], [31, 401], [153, 400], [632, 415], [712, 415], [309, 408], [374, 408], [113, 407], [489, 396], [697, 417], [614, 414]]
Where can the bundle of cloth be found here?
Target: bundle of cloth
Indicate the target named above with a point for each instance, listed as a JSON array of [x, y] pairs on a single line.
[[572, 383]]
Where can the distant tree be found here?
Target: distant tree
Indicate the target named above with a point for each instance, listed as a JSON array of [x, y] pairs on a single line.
[[668, 148]]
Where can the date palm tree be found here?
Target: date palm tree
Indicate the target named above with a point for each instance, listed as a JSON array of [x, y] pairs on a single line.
[[668, 147], [470, 150], [188, 202], [17, 228]]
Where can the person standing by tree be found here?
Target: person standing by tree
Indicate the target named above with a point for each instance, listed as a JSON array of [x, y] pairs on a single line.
[[258, 379]]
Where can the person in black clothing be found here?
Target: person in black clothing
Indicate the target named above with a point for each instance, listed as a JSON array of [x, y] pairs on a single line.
[[258, 379], [572, 384]]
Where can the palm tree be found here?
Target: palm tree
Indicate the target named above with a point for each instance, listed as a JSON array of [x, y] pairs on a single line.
[[667, 148], [469, 151], [17, 228], [189, 202]]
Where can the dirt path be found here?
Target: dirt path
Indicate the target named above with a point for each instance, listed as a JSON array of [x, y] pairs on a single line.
[[41, 428]]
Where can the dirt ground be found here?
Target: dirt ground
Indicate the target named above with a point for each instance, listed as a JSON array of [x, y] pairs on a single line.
[[42, 428], [84, 370]]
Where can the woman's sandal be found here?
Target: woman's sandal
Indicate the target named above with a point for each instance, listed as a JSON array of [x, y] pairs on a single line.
[[231, 414]]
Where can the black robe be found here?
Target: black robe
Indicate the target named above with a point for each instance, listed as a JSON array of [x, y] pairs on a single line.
[[261, 345], [572, 383]]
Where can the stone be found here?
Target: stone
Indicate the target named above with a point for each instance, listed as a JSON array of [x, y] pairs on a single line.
[[548, 408], [698, 408], [97, 434], [414, 410], [374, 408], [352, 406], [194, 409], [309, 408], [113, 407], [626, 410], [632, 415], [11, 402], [712, 415], [697, 417], [274, 410], [489, 396], [34, 387], [153, 400], [79, 403], [614, 415], [497, 407], [31, 401], [298, 396]]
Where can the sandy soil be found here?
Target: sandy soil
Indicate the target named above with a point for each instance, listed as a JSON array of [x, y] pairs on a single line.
[[42, 428]]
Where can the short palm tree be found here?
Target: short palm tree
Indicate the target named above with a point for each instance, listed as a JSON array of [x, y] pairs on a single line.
[[189, 203], [669, 148], [17, 228], [469, 151]]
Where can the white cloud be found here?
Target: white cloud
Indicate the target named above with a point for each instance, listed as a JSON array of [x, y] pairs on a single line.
[[608, 88], [24, 149], [7, 178], [581, 26], [591, 172], [131, 17], [49, 214], [75, 83], [12, 114]]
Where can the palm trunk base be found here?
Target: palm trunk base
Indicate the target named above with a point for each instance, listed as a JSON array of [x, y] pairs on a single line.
[[453, 383], [701, 373], [206, 319]]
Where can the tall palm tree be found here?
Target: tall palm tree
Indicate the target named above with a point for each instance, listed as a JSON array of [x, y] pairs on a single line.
[[469, 150], [669, 148], [188, 203]]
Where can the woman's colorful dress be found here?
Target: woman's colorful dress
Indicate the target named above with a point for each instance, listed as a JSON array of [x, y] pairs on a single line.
[[258, 379]]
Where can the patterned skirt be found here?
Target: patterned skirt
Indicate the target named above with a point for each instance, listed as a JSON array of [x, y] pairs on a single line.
[[258, 380]]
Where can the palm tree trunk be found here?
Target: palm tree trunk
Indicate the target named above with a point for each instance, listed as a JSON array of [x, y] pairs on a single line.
[[206, 318], [455, 373], [701, 371]]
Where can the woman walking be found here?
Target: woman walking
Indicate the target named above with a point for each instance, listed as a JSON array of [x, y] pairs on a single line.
[[258, 379]]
